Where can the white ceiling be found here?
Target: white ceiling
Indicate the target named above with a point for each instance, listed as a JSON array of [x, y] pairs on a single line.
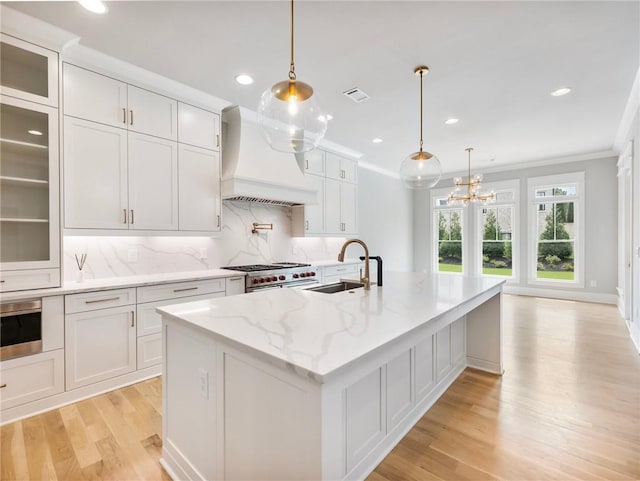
[[493, 65]]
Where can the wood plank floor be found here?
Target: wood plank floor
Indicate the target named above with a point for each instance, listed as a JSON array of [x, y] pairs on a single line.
[[567, 408]]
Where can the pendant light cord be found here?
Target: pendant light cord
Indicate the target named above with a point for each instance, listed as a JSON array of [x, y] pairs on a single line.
[[292, 67], [421, 74]]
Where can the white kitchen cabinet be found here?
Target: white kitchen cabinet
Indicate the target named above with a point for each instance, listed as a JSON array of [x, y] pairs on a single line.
[[29, 167], [198, 127], [336, 213], [332, 274], [443, 353], [399, 389], [95, 176], [30, 378], [98, 98], [341, 168], [458, 341], [99, 344], [153, 183], [29, 72], [199, 189], [113, 178], [314, 162], [149, 351], [234, 285], [424, 368]]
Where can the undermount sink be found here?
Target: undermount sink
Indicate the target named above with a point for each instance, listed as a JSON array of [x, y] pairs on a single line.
[[337, 287]]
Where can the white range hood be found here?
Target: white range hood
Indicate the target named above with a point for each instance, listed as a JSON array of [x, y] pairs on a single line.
[[252, 171]]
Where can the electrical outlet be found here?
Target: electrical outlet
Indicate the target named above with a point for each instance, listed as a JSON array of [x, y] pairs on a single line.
[[204, 383], [203, 253], [132, 255], [593, 283]]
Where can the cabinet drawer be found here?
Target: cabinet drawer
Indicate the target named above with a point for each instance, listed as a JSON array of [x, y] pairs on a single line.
[[234, 285], [179, 289], [149, 350], [29, 279], [91, 301], [341, 270], [150, 322], [30, 378]]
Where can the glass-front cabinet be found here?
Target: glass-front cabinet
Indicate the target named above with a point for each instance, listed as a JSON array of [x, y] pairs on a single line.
[[29, 168]]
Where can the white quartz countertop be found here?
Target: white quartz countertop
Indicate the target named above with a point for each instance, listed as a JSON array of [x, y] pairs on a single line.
[[121, 282], [320, 333]]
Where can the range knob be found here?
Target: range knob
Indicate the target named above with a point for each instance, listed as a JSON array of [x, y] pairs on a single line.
[[274, 278], [261, 280], [282, 278], [312, 274], [303, 274], [295, 276], [255, 281]]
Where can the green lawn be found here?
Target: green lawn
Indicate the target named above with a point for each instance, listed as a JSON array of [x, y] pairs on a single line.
[[497, 271], [449, 267], [563, 275]]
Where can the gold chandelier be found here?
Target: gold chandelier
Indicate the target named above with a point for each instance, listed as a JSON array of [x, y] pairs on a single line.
[[473, 186]]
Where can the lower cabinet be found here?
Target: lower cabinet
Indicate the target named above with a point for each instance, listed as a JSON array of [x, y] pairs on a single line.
[[30, 378], [99, 345], [332, 274]]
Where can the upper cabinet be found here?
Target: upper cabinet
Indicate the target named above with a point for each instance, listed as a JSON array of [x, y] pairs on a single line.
[[136, 160], [29, 167], [95, 97], [336, 213], [28, 72]]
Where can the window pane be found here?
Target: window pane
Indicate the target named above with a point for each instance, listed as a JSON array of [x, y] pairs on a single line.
[[555, 260], [556, 221], [450, 240], [557, 191], [505, 196], [497, 258]]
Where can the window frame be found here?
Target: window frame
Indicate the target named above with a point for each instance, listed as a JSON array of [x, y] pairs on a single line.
[[504, 186], [434, 210], [578, 200]]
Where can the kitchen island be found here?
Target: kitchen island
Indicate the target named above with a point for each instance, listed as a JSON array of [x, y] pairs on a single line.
[[294, 384]]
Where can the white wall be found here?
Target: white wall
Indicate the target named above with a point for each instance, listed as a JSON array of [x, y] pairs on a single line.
[[600, 226]]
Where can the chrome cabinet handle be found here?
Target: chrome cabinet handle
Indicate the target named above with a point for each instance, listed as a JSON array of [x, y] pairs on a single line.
[[133, 317], [218, 220], [186, 289], [306, 164], [102, 300], [217, 140], [235, 279], [131, 216], [124, 211], [124, 116], [130, 117]]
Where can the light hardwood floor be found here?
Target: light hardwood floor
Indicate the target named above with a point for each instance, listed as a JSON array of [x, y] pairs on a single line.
[[567, 408]]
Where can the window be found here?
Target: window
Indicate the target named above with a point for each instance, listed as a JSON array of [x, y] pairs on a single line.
[[556, 229], [448, 230], [497, 238]]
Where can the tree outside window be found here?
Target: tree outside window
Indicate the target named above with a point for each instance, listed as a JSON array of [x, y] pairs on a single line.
[[555, 249], [449, 241], [497, 240]]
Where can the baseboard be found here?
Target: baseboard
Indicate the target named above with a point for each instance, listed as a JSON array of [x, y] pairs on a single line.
[[559, 294], [634, 333]]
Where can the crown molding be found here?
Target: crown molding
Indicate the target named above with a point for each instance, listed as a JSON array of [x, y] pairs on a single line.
[[631, 110]]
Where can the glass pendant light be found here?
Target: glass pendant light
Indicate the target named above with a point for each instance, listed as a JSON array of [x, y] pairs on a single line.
[[291, 119], [421, 170]]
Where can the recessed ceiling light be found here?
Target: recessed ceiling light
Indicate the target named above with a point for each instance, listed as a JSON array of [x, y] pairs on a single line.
[[377, 140], [95, 6], [34, 132], [561, 92], [451, 121], [244, 79]]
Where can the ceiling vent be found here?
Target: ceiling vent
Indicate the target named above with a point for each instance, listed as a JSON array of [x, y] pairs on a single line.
[[356, 95]]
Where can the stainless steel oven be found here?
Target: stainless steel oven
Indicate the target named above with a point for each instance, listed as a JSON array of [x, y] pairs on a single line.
[[262, 277], [20, 328]]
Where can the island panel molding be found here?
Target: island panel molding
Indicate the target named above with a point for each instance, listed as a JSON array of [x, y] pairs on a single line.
[[353, 371]]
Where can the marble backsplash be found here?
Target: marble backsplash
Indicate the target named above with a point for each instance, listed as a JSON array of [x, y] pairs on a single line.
[[236, 245]]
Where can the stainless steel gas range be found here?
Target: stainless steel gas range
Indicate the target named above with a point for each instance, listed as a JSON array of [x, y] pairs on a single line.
[[275, 276]]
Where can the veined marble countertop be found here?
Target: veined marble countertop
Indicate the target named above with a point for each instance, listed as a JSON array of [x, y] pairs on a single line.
[[318, 333], [121, 282], [89, 285]]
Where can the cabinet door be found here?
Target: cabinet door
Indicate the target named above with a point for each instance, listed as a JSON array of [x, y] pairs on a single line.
[[314, 213], [95, 175], [29, 186], [198, 127], [198, 189], [349, 208], [332, 218], [28, 71], [443, 353], [153, 183], [99, 345], [91, 96], [349, 170], [314, 162], [332, 167], [152, 114]]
